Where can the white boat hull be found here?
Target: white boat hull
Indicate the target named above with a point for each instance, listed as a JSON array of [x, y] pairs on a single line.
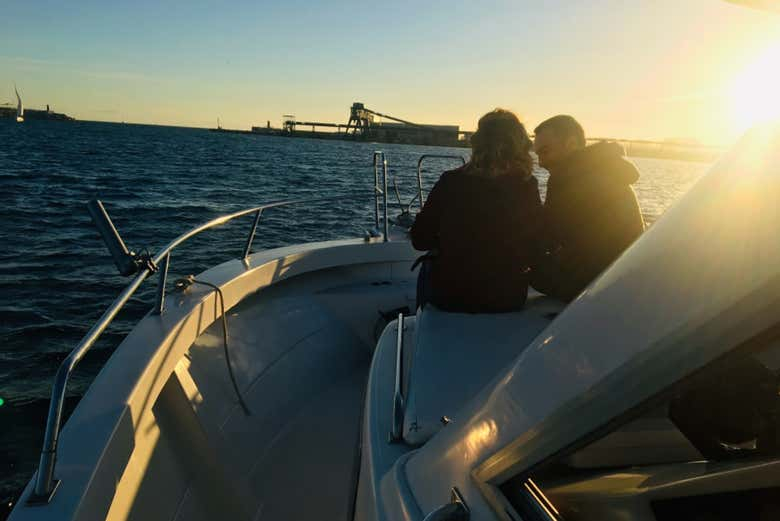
[[160, 436]]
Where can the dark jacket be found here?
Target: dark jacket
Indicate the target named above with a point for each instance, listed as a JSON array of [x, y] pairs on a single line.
[[591, 215], [486, 234]]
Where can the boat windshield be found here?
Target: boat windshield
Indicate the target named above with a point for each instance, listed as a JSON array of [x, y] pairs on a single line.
[[710, 437]]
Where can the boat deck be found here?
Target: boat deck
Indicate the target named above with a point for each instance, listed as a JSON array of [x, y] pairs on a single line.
[[324, 439], [300, 351]]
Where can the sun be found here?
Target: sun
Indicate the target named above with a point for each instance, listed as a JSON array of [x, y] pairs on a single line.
[[755, 91]]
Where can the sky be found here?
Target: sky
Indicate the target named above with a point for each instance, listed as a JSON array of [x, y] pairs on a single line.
[[660, 69]]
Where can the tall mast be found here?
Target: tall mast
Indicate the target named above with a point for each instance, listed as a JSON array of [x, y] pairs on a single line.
[[19, 106]]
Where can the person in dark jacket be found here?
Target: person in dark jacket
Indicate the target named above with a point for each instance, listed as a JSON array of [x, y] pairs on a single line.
[[591, 214], [482, 221]]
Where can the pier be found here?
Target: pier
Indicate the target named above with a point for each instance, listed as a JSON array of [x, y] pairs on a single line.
[[364, 124], [665, 149]]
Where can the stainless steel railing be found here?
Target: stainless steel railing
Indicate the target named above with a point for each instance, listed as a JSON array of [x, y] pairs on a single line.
[[45, 484], [379, 158], [396, 431], [420, 195]]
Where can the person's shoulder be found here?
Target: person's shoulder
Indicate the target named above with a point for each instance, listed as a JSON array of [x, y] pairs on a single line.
[[521, 179], [606, 161], [454, 177], [529, 188], [450, 174]]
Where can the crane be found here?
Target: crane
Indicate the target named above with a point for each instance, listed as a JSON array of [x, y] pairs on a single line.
[[361, 119]]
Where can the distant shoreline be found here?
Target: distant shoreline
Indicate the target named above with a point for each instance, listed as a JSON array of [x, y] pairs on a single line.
[[35, 115], [633, 148]]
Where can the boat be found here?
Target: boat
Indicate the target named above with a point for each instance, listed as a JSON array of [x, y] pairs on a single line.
[[302, 383], [19, 107]]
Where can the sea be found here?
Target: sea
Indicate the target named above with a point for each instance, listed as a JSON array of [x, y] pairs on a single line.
[[56, 277]]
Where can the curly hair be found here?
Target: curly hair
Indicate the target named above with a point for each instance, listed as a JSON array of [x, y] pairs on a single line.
[[501, 144]]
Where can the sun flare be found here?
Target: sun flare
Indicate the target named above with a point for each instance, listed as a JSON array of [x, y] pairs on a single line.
[[755, 91]]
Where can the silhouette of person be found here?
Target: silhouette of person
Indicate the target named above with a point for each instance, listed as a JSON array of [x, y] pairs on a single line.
[[591, 214], [482, 221]]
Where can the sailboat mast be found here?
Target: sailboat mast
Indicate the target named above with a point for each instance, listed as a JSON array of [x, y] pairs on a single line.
[[19, 106]]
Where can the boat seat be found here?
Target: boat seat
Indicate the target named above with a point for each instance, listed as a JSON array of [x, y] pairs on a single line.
[[454, 355]]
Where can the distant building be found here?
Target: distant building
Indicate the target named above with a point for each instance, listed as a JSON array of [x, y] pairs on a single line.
[[33, 114], [417, 134]]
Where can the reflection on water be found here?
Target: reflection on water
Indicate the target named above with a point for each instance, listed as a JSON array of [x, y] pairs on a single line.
[[662, 182]]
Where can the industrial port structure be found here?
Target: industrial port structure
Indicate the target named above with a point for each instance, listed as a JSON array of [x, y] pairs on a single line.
[[363, 125]]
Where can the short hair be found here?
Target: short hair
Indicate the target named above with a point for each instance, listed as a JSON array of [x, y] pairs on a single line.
[[500, 142], [563, 126]]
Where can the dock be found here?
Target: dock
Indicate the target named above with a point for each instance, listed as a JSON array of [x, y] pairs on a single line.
[[365, 124]]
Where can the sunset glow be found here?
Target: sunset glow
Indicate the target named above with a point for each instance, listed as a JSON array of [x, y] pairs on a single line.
[[700, 70], [755, 92]]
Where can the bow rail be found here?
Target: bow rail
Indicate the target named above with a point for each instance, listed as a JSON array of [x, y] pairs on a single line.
[[45, 484], [141, 267]]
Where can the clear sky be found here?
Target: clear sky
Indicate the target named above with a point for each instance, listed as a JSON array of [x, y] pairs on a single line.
[[634, 69]]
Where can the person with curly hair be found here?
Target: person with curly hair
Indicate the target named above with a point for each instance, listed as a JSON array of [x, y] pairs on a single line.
[[481, 222]]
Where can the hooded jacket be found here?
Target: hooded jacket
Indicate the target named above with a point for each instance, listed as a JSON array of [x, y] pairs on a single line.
[[485, 231], [591, 216]]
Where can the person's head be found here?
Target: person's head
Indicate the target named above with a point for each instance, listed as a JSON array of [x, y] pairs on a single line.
[[500, 144], [556, 138]]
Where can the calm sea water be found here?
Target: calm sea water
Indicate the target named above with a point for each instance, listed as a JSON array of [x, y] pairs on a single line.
[[56, 277]]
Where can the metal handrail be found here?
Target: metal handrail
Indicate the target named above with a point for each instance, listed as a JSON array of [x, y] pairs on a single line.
[[419, 171], [45, 485], [377, 155], [396, 431]]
